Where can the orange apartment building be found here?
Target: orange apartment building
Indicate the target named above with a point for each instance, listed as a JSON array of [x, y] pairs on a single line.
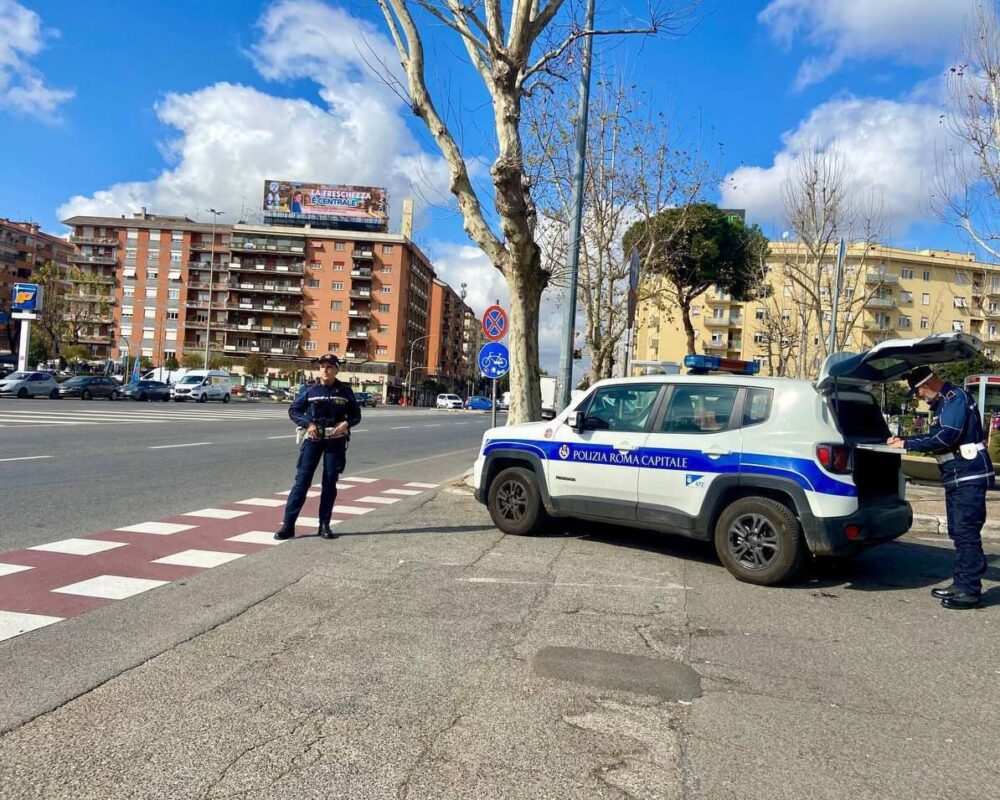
[[23, 247], [448, 361], [287, 293]]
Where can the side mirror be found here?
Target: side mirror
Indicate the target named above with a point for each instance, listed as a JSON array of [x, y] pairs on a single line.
[[576, 420]]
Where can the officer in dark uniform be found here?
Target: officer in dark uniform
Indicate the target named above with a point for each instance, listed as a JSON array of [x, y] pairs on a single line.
[[956, 439], [327, 411]]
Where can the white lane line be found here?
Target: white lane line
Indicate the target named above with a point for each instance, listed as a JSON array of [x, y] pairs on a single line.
[[287, 436], [435, 425], [10, 569], [168, 446], [416, 485], [339, 509], [257, 537], [405, 492], [25, 458], [110, 587], [13, 624], [156, 528], [216, 513], [266, 502], [206, 559], [383, 501], [359, 430], [78, 547], [400, 428], [358, 480], [309, 493], [309, 522]]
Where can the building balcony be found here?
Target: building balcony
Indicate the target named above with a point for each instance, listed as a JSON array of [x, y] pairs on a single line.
[[880, 302], [91, 298], [358, 333], [101, 280], [253, 247], [77, 258], [715, 300], [876, 328], [881, 277], [267, 269], [359, 313], [106, 241], [710, 345], [363, 255], [91, 339], [358, 294], [208, 247], [221, 306], [362, 273], [249, 305], [270, 288], [717, 322]]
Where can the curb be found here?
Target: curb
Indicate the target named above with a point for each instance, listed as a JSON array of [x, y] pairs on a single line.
[[931, 523]]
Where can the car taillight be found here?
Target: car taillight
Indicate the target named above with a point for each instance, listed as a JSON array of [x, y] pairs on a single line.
[[835, 458]]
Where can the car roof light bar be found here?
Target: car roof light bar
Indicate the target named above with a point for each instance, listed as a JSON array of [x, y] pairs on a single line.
[[703, 364]]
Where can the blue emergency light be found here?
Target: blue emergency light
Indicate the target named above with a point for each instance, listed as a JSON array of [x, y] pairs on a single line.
[[700, 365]]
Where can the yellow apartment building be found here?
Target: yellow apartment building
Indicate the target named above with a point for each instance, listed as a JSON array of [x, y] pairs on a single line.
[[885, 293]]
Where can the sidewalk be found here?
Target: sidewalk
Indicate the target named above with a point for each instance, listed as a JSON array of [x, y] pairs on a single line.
[[929, 514]]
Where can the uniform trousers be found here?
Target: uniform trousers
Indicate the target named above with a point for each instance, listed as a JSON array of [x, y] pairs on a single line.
[[333, 453], [965, 504]]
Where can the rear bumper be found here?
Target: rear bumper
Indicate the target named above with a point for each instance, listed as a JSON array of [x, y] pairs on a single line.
[[877, 522]]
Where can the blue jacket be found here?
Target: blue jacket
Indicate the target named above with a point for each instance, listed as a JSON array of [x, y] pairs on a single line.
[[956, 421], [325, 406]]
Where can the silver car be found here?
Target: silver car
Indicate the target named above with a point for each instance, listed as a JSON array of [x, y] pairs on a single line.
[[29, 384]]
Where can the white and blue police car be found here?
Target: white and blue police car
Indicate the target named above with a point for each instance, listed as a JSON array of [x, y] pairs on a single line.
[[770, 469]]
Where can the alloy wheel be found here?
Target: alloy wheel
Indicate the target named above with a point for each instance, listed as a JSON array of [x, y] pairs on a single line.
[[753, 541], [512, 501]]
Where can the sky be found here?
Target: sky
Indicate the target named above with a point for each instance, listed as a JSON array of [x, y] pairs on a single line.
[[181, 106]]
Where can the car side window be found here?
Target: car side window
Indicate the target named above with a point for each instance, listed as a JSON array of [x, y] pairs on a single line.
[[37, 377], [757, 406], [699, 409], [621, 408]]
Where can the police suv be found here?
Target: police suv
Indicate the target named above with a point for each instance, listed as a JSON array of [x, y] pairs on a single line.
[[770, 469]]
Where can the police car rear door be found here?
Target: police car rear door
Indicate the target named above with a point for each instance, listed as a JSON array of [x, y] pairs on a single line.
[[594, 471], [696, 442]]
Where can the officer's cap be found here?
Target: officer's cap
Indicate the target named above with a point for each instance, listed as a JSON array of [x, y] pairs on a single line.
[[329, 358], [917, 377]]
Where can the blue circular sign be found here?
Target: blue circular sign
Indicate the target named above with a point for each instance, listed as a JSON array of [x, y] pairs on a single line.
[[494, 360]]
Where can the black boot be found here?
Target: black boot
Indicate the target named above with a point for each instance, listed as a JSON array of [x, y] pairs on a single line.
[[285, 532], [326, 531], [945, 591], [961, 600]]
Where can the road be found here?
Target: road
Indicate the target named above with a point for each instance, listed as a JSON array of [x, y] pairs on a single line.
[[72, 467]]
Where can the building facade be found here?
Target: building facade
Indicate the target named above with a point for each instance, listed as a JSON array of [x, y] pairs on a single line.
[[885, 293], [288, 294], [447, 357]]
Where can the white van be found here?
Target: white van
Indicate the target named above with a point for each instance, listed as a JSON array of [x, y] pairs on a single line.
[[202, 385]]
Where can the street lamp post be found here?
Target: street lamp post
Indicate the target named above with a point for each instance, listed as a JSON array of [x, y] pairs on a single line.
[[211, 279], [409, 388]]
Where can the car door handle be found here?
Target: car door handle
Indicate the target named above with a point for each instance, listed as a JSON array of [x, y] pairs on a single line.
[[715, 451], [626, 447]]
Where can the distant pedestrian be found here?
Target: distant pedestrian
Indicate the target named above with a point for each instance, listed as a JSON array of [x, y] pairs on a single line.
[[956, 440], [326, 411]]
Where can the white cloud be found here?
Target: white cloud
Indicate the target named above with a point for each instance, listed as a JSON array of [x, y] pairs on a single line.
[[231, 137], [888, 146], [913, 31], [22, 86]]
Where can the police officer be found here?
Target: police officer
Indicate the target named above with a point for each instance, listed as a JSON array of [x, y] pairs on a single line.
[[956, 440], [327, 411]]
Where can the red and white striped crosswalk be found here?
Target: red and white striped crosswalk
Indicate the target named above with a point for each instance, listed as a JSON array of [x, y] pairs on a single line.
[[51, 582]]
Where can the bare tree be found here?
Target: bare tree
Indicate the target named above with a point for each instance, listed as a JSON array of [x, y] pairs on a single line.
[[511, 49], [967, 191], [73, 300], [634, 168], [820, 208]]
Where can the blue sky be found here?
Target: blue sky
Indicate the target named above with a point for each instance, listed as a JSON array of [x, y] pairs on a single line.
[[181, 105]]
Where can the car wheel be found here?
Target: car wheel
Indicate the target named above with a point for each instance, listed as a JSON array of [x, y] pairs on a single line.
[[143, 397], [54, 394], [22, 393], [114, 395], [85, 395], [225, 398], [165, 398], [203, 398], [515, 502], [759, 541]]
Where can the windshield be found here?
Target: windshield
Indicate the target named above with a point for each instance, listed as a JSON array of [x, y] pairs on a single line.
[[17, 376], [76, 381], [189, 379]]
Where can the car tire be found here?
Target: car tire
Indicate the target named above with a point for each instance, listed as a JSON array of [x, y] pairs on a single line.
[[143, 397], [22, 393], [86, 395], [114, 395], [515, 502], [54, 394], [165, 398], [225, 398], [759, 541], [203, 398]]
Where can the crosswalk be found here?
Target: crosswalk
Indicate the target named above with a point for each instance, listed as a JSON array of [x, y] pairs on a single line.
[[29, 413]]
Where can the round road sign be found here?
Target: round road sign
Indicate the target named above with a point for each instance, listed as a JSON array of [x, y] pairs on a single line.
[[494, 324], [494, 360]]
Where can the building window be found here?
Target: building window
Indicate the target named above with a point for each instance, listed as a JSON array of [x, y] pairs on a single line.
[[386, 269], [337, 286], [924, 323], [334, 326], [925, 299], [130, 253], [172, 315], [338, 245], [315, 266], [383, 328], [961, 279], [152, 273], [961, 302], [906, 273], [759, 338], [150, 312], [126, 312], [927, 274], [386, 249], [905, 322], [148, 333], [173, 294], [336, 305], [126, 330], [313, 283], [128, 291], [175, 257], [338, 266], [335, 347], [958, 325], [311, 326], [383, 308], [132, 233], [151, 293], [170, 336], [385, 289], [381, 351], [760, 313], [177, 236], [309, 346], [905, 297]]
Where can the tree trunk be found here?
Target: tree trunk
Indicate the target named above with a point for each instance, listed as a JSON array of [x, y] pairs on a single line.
[[526, 286], [685, 305]]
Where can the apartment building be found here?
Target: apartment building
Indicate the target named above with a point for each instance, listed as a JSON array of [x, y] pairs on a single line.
[[447, 358], [286, 293], [23, 247], [885, 293]]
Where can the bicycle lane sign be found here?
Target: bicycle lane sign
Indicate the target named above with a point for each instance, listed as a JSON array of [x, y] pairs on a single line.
[[494, 360]]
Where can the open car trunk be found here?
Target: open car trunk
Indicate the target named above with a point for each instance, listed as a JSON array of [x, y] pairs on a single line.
[[875, 465]]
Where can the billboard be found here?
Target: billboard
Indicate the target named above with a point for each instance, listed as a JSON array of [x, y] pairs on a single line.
[[25, 297], [363, 205]]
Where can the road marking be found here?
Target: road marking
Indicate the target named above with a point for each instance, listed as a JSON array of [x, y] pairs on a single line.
[[168, 446], [78, 547], [110, 587], [385, 467], [435, 425], [156, 528], [339, 509], [406, 492], [416, 485], [10, 569], [288, 436], [385, 501], [359, 480], [267, 502], [359, 430], [216, 513], [257, 537], [25, 458], [206, 559], [400, 428], [13, 624]]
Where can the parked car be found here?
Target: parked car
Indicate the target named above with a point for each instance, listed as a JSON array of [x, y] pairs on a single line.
[[29, 384], [448, 401], [87, 387], [146, 390], [365, 399], [202, 385], [258, 390], [479, 403], [504, 402]]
